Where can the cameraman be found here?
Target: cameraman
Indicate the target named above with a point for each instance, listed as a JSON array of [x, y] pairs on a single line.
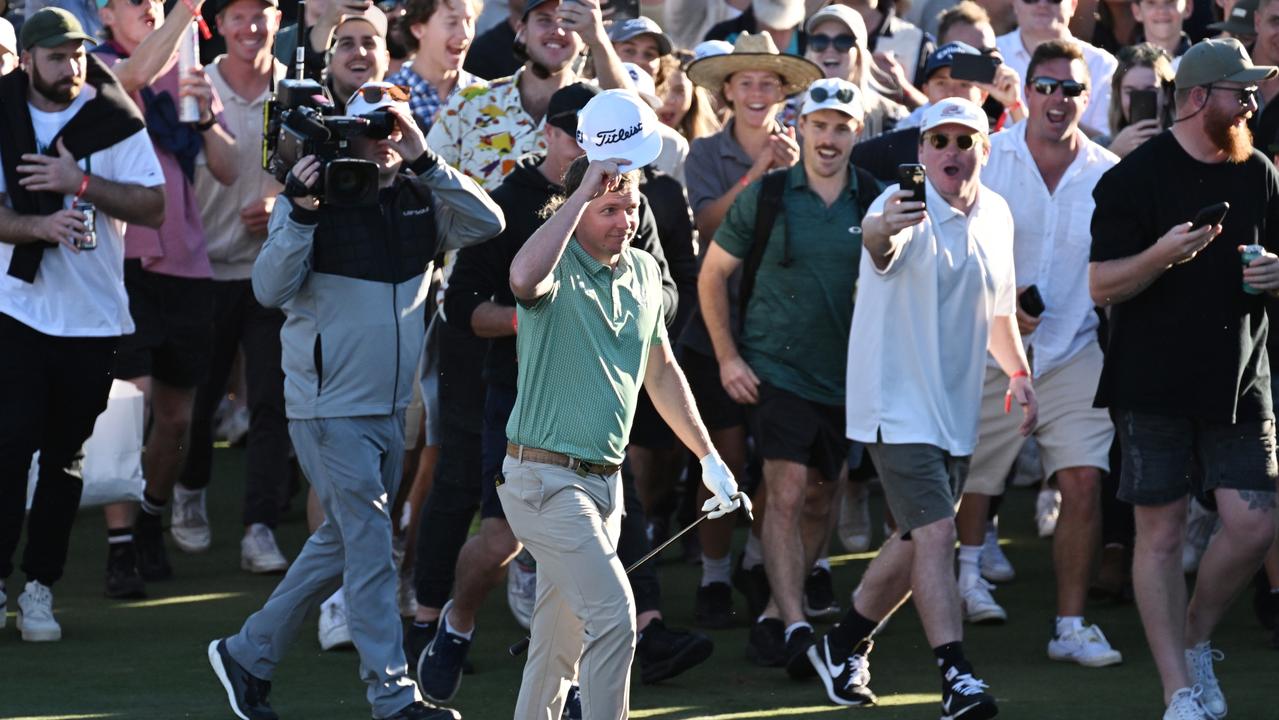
[[350, 282]]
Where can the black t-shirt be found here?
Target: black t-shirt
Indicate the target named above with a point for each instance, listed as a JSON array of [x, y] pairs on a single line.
[[1193, 343]]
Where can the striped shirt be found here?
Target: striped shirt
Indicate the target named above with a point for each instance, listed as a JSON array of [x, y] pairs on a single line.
[[583, 348]]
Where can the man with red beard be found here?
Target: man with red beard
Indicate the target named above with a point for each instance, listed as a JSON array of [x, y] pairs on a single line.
[[1186, 375]]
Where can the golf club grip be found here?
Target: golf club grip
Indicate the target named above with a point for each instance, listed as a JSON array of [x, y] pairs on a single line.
[[519, 648]]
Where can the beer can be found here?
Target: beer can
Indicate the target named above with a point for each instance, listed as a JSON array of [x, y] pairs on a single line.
[[90, 240], [189, 58], [1250, 253]]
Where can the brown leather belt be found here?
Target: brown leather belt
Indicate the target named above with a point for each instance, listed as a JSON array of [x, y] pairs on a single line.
[[581, 467]]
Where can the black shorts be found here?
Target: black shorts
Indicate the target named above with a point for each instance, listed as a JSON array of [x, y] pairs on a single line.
[[788, 427], [717, 409], [173, 338], [1159, 452], [648, 429]]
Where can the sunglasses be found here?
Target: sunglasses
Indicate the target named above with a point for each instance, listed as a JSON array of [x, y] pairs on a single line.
[[821, 94], [940, 142], [373, 95], [1245, 96], [842, 42], [140, 3], [1048, 86]]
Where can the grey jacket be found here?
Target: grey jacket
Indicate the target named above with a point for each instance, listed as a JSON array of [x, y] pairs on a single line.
[[353, 305]]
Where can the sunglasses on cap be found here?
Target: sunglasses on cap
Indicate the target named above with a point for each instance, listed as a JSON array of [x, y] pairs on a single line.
[[374, 94], [940, 142], [842, 42], [1048, 86], [820, 94]]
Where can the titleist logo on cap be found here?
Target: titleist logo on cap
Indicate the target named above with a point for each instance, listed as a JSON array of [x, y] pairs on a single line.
[[616, 135]]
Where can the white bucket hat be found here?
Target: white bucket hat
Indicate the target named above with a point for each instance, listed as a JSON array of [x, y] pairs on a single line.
[[618, 124]]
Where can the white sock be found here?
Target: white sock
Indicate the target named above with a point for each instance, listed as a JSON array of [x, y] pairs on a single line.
[[753, 556], [716, 569], [969, 565], [823, 563], [992, 533], [796, 626], [447, 627], [1067, 623]]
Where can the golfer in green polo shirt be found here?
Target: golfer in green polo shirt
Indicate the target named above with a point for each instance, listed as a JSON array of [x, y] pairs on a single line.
[[589, 333]]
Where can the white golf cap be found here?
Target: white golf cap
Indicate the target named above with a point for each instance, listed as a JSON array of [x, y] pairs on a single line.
[[643, 84], [833, 94], [618, 124], [8, 39], [711, 48], [373, 96], [958, 111]]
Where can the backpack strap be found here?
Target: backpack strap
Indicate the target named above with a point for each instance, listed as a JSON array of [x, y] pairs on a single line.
[[767, 206]]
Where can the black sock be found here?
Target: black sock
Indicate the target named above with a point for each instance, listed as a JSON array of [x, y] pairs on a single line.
[[849, 631], [152, 506], [950, 655], [119, 536]]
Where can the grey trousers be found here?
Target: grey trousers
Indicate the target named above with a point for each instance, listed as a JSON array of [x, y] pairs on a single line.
[[585, 612], [354, 465]]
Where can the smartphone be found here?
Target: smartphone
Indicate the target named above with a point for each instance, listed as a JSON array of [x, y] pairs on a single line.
[[1143, 105], [973, 68], [622, 9], [1211, 215], [1031, 302], [910, 176]]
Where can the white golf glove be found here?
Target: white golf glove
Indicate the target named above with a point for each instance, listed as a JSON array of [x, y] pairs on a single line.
[[725, 497]]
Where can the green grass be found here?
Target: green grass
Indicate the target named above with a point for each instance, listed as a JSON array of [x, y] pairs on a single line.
[[146, 659]]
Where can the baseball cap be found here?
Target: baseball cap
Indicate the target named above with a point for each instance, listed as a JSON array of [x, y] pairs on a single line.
[[532, 5], [373, 96], [8, 39], [618, 124], [566, 103], [841, 14], [959, 111], [711, 48], [50, 27], [643, 83], [944, 57], [634, 27], [1240, 20], [1222, 59], [372, 15], [778, 13], [833, 94]]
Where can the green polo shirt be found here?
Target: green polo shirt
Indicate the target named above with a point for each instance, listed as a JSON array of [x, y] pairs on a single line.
[[582, 351], [797, 323]]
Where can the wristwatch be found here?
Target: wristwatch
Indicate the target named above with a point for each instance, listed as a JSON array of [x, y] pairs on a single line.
[[201, 127]]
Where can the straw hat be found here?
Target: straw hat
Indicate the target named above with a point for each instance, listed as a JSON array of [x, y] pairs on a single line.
[[754, 52]]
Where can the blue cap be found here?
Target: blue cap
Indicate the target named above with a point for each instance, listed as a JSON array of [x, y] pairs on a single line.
[[944, 57]]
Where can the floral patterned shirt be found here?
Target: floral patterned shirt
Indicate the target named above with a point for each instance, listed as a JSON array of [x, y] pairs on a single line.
[[483, 129]]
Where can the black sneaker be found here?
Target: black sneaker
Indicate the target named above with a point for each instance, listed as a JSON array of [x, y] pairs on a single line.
[[123, 578], [439, 669], [1265, 604], [665, 652], [148, 538], [797, 645], [424, 711], [713, 609], [246, 693], [572, 704], [819, 594], [848, 680], [752, 583], [417, 638], [964, 696], [767, 644]]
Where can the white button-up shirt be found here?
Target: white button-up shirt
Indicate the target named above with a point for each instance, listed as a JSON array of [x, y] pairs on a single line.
[[1101, 67], [1052, 239], [921, 326]]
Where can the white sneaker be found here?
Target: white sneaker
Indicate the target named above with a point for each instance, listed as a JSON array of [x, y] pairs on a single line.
[[1047, 508], [35, 614], [854, 526], [1084, 645], [234, 426], [1199, 660], [993, 562], [979, 605], [189, 525], [334, 632], [259, 553], [1185, 705], [521, 587], [1201, 523]]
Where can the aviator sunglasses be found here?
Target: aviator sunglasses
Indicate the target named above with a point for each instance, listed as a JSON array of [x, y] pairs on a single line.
[[1048, 86]]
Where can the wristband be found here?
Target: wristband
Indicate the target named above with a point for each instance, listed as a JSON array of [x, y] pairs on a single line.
[[1014, 107], [205, 126], [1019, 373], [1008, 394], [746, 180], [199, 20], [84, 185]]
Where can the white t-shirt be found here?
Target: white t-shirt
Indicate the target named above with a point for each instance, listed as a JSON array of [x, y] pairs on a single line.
[[1101, 67], [81, 294], [921, 326]]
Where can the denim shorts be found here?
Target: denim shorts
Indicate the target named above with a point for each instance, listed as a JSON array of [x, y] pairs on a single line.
[[1167, 458]]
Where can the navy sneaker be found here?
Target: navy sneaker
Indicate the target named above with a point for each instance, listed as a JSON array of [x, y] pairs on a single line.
[[424, 711], [246, 693], [713, 608], [573, 704], [797, 665], [148, 540], [819, 594], [439, 669], [664, 652]]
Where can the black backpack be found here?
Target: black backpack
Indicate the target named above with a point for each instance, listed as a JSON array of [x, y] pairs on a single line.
[[769, 204]]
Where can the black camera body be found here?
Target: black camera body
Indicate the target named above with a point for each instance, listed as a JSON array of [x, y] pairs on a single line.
[[300, 120]]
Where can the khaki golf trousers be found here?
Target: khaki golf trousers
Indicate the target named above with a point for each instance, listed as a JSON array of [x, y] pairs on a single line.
[[584, 618]]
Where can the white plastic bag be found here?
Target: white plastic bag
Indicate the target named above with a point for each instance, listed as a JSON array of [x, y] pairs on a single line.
[[112, 465]]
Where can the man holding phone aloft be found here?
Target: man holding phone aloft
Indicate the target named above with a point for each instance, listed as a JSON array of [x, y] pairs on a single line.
[[1186, 375], [935, 292], [1050, 167]]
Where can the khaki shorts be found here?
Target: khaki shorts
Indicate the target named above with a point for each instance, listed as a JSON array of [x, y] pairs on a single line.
[[1071, 432]]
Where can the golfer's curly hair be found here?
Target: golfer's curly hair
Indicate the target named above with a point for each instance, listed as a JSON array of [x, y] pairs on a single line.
[[573, 180]]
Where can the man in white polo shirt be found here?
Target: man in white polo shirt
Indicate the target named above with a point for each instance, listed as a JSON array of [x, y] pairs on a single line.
[[935, 292], [1039, 21], [1051, 168]]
